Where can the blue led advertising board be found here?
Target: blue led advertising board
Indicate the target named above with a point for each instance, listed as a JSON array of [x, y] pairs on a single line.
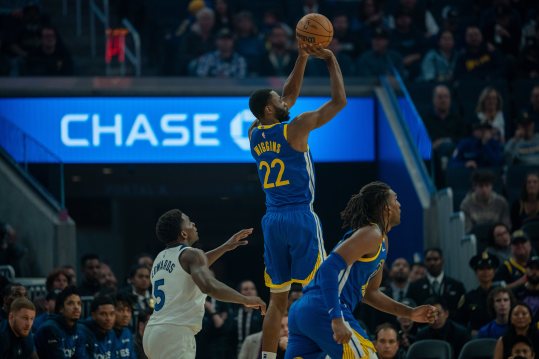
[[175, 130]]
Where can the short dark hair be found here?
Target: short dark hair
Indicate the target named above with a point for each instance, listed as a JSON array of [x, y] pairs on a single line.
[[126, 299], [134, 269], [434, 249], [483, 177], [493, 293], [522, 339], [88, 257], [258, 100], [169, 225], [101, 300], [438, 300], [21, 303], [63, 295], [385, 326]]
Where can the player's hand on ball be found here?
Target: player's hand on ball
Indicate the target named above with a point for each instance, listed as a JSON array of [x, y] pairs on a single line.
[[341, 333], [238, 239], [318, 51], [424, 314], [255, 302]]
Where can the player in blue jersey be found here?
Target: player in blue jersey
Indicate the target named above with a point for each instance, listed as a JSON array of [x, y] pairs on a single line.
[[293, 244], [321, 321]]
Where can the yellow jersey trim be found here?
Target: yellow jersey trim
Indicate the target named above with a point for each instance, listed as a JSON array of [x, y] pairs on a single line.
[[270, 284], [285, 132], [375, 256], [517, 266], [265, 127]]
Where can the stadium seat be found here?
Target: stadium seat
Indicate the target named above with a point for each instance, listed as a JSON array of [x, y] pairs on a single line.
[[7, 271], [478, 349], [482, 233], [532, 229], [430, 349]]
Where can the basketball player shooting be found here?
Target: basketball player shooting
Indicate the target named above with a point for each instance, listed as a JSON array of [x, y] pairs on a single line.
[[293, 243]]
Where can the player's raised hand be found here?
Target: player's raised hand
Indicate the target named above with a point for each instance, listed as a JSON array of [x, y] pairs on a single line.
[[341, 333], [424, 314], [255, 302], [238, 239], [318, 51], [302, 50]]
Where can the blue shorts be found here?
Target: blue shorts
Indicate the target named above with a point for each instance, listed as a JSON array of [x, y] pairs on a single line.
[[293, 247], [310, 335]]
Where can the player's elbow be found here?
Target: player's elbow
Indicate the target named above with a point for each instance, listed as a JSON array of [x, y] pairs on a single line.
[[339, 103]]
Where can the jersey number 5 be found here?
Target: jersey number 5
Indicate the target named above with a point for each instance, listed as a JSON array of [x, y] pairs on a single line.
[[158, 294], [279, 182]]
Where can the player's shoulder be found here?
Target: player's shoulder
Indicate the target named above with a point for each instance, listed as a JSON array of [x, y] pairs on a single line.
[[190, 255]]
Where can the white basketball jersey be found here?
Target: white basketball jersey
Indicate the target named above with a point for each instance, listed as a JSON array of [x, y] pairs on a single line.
[[178, 300]]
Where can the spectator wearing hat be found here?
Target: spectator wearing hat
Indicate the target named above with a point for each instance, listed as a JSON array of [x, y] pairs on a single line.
[[513, 271], [526, 208], [499, 302], [444, 328], [529, 291], [221, 63], [483, 206], [479, 149], [523, 147], [473, 312], [500, 242], [379, 60]]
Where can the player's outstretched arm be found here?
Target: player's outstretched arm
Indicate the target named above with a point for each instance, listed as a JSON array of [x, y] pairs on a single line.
[[232, 243], [301, 126], [292, 86], [194, 261], [377, 299]]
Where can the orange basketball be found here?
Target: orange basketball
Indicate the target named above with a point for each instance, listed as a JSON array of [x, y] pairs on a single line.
[[314, 29]]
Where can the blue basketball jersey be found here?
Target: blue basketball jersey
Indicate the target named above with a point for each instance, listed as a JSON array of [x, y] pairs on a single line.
[[354, 279], [286, 175]]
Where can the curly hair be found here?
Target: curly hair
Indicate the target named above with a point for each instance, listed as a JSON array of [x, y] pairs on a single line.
[[367, 207]]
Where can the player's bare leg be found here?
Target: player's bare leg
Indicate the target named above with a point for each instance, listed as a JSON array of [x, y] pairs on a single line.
[[272, 323]]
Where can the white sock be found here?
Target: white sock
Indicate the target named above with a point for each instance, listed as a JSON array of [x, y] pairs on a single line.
[[268, 355]]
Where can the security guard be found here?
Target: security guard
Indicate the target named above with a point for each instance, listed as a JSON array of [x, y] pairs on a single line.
[[473, 311]]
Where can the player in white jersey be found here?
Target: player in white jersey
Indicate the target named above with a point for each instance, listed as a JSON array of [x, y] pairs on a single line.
[[181, 280]]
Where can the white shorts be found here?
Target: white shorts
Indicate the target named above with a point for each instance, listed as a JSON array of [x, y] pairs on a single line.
[[169, 342]]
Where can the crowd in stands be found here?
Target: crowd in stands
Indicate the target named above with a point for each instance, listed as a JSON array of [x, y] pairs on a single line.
[[99, 316], [426, 40]]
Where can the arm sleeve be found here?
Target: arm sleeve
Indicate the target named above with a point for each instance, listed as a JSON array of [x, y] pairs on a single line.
[[328, 276]]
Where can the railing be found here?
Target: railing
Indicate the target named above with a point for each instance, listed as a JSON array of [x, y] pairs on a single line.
[[103, 15], [78, 14], [133, 56], [45, 169]]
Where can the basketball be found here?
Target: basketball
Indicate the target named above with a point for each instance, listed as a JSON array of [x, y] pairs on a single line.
[[314, 29]]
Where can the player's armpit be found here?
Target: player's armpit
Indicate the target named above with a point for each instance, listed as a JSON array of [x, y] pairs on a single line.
[[364, 242]]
